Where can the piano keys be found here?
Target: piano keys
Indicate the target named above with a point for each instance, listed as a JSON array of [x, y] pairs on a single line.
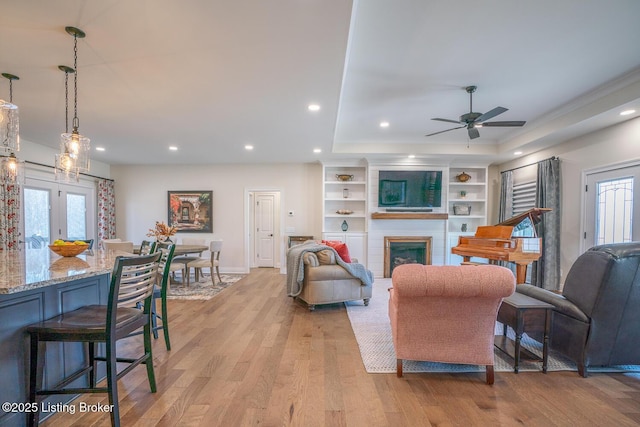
[[514, 240]]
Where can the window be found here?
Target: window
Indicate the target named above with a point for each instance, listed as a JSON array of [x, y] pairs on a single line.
[[614, 203], [611, 205]]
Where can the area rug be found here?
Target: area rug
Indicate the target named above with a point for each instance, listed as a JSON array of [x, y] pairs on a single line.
[[373, 332], [202, 290]]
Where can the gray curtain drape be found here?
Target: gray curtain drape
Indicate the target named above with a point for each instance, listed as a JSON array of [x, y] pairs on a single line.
[[545, 272], [505, 209], [506, 196]]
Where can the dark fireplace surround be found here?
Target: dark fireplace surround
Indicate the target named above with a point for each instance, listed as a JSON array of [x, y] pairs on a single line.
[[400, 250]]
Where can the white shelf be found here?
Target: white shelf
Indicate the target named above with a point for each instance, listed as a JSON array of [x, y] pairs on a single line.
[[333, 199], [476, 197], [345, 182]]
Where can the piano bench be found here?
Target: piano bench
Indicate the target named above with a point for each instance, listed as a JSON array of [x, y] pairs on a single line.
[[473, 263]]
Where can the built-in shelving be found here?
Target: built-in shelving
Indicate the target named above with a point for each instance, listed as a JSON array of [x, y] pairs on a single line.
[[472, 194], [346, 195]]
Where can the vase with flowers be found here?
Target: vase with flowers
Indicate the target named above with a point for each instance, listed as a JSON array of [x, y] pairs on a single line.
[[162, 232]]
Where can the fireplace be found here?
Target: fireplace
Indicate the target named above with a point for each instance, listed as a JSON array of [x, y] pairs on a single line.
[[400, 250]]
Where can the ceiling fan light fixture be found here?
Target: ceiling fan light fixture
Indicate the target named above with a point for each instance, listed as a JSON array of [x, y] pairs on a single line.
[[474, 120]]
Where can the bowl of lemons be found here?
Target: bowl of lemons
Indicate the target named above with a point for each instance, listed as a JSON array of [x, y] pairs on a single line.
[[63, 248]]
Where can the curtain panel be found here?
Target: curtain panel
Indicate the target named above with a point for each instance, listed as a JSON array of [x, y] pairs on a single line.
[[545, 272], [10, 217], [106, 210], [506, 196]]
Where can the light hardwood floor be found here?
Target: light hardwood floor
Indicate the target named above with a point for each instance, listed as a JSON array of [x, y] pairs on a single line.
[[253, 356]]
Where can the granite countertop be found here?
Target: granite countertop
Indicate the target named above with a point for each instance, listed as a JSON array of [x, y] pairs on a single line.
[[28, 269]]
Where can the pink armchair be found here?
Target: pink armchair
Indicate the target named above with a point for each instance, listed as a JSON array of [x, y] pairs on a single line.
[[447, 313]]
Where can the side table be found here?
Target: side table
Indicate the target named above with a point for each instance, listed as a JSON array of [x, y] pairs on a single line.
[[524, 314]]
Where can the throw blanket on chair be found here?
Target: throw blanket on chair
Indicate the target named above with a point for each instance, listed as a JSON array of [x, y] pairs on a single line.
[[295, 267]]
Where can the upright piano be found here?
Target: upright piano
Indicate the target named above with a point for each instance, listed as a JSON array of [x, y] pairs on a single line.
[[514, 240]]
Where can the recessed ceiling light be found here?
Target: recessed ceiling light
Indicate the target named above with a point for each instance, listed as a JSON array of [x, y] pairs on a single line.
[[173, 148], [384, 124], [317, 150], [313, 107], [627, 112], [248, 147], [99, 148], [517, 153]]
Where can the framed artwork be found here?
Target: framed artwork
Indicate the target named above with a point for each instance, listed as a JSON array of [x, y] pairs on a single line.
[[191, 211]]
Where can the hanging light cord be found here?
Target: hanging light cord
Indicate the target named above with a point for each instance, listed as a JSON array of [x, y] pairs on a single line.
[[76, 121], [66, 102]]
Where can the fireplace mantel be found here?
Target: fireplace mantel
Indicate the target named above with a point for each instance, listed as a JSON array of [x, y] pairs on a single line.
[[409, 215]]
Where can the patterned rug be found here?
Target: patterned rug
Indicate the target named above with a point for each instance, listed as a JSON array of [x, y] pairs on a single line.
[[373, 332], [202, 290]]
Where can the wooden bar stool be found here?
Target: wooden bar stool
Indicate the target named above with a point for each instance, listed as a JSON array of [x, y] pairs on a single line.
[[132, 282], [160, 292]]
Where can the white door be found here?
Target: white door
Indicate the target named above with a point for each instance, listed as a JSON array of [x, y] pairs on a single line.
[[612, 203], [264, 213], [58, 211]]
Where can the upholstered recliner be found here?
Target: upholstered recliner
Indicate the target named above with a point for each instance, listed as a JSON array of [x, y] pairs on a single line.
[[317, 275], [327, 282], [447, 313], [596, 320]]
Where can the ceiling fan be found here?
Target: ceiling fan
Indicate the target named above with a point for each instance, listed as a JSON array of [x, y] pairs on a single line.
[[472, 120]]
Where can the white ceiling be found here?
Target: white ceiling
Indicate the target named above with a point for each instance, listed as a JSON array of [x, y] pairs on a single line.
[[211, 76]]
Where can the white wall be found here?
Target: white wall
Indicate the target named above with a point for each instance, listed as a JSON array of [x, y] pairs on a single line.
[[613, 145], [141, 199]]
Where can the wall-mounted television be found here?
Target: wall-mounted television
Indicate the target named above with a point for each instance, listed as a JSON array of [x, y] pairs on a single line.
[[402, 189]]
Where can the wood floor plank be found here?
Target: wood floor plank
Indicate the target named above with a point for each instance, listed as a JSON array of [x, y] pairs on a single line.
[[253, 356]]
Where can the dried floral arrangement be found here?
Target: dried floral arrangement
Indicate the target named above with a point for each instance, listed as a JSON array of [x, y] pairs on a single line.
[[161, 231]]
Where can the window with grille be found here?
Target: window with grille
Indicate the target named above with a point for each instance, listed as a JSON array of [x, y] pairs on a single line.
[[523, 199]]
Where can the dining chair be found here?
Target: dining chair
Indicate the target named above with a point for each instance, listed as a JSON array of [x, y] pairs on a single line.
[[145, 247], [213, 261], [181, 262], [126, 247], [103, 241], [131, 286], [160, 292]]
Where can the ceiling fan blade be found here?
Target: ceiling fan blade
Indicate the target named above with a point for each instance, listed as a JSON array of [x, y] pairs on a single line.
[[514, 123], [446, 120], [443, 131], [491, 114], [473, 133]]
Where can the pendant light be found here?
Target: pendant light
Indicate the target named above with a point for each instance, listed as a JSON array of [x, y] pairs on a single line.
[[65, 165], [74, 144], [11, 169]]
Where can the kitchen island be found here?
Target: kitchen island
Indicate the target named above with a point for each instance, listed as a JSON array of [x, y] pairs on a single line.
[[36, 284]]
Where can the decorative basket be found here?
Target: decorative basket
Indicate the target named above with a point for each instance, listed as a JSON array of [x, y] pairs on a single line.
[[68, 250], [462, 209], [344, 177]]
